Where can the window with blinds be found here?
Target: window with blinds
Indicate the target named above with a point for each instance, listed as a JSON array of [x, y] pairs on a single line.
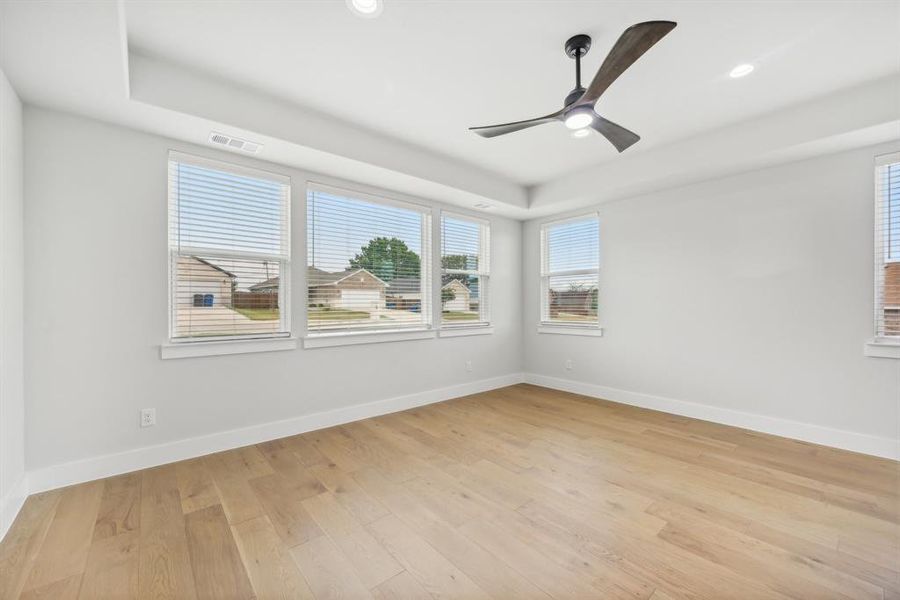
[[887, 246], [570, 269], [465, 270], [229, 251], [368, 265]]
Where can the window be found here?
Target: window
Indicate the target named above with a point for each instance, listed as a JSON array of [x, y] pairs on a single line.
[[368, 263], [465, 270], [570, 267], [887, 247], [229, 251]]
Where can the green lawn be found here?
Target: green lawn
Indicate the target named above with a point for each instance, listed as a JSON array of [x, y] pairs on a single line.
[[259, 314], [332, 314], [573, 317], [449, 315]]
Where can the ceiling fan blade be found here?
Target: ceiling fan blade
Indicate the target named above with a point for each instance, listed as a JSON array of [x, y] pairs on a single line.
[[630, 46], [490, 131], [618, 136]]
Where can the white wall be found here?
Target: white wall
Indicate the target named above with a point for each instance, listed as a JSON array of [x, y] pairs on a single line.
[[751, 293], [12, 402], [95, 230]]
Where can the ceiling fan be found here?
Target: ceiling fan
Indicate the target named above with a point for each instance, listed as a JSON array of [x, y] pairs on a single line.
[[578, 110]]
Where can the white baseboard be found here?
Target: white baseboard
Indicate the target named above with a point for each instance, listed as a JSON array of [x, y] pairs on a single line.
[[56, 476], [817, 434], [11, 503]]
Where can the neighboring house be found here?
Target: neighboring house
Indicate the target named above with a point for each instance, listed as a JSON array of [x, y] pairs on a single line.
[[353, 289], [461, 296], [269, 286], [405, 293], [892, 298], [201, 283], [573, 302]]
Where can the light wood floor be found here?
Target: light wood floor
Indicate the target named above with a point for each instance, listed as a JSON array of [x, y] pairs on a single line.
[[517, 493]]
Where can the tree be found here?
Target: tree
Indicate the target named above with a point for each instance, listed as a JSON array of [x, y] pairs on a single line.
[[387, 259], [457, 262]]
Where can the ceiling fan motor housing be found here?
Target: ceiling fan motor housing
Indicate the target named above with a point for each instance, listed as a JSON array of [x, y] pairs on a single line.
[[578, 45], [573, 96]]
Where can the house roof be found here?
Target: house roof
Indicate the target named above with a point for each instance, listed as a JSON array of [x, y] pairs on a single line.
[[457, 282], [268, 283], [409, 285], [321, 277], [216, 267]]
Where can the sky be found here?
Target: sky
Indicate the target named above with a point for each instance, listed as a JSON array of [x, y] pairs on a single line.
[[892, 232], [338, 227], [219, 210]]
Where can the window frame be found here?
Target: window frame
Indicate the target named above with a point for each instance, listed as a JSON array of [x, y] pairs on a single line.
[[222, 344], [546, 325], [883, 346], [483, 273], [367, 335]]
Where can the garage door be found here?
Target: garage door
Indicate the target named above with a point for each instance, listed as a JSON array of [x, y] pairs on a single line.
[[360, 299]]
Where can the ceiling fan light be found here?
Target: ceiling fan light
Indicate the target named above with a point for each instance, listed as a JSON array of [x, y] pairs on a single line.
[[580, 133], [579, 119], [741, 71], [365, 8]]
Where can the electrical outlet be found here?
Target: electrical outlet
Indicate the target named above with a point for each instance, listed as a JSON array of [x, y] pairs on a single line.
[[148, 417], [569, 364], [469, 366]]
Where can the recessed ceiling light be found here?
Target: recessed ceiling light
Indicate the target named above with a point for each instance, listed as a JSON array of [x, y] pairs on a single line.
[[580, 133], [741, 71], [366, 8]]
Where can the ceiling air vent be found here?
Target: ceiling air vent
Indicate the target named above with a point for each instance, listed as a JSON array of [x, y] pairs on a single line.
[[234, 143]]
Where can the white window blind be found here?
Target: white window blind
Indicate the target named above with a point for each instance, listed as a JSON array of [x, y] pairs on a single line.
[[368, 263], [465, 270], [570, 268], [229, 251], [887, 246]]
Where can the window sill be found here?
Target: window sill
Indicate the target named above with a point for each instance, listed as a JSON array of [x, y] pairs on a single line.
[[219, 348], [463, 330], [325, 340], [571, 330], [882, 349]]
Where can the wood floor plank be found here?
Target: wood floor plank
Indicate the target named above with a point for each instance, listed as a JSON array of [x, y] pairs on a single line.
[[195, 485], [273, 573], [521, 492], [283, 503], [402, 586], [218, 570], [165, 568], [233, 486], [492, 575], [113, 568], [326, 569], [65, 549], [64, 589], [19, 549], [436, 574], [372, 563], [352, 497], [120, 507]]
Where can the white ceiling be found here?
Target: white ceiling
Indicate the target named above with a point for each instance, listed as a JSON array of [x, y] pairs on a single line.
[[386, 102], [425, 71]]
